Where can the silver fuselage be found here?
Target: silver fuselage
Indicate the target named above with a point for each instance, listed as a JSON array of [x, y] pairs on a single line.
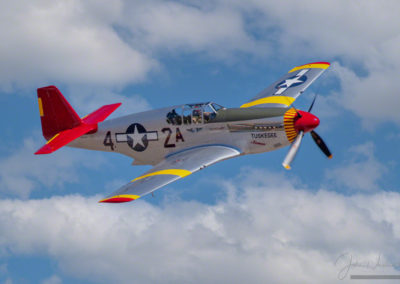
[[149, 137]]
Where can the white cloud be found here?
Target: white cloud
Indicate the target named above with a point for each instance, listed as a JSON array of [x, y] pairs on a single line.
[[375, 97], [108, 43], [333, 28], [211, 27], [66, 41], [88, 99], [361, 35], [117, 43], [265, 231], [22, 171], [362, 171]]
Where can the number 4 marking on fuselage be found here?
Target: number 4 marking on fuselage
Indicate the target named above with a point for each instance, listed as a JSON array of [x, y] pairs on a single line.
[[108, 141]]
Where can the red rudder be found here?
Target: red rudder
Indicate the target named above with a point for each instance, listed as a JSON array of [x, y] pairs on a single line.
[[56, 113]]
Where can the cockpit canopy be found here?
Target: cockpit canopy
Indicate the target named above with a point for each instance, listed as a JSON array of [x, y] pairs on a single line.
[[193, 113]]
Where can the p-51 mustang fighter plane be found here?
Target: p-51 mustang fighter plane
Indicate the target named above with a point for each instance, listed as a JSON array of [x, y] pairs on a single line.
[[183, 139]]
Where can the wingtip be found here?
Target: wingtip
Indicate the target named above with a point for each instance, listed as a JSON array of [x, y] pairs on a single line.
[[116, 105], [115, 200], [119, 199], [321, 64]]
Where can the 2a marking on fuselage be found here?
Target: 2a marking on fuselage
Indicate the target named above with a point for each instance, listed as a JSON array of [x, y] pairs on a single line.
[[178, 137]]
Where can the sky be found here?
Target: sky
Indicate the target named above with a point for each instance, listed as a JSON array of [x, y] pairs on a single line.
[[242, 220]]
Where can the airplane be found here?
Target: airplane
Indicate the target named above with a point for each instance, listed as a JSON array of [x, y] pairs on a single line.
[[180, 140]]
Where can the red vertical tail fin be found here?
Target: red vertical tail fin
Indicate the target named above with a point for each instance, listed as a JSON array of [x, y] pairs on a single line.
[[61, 124], [56, 114]]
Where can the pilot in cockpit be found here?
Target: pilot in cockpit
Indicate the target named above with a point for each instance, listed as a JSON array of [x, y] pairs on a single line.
[[174, 118]]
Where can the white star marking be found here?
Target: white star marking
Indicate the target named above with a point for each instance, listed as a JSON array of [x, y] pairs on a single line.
[[137, 137], [288, 82]]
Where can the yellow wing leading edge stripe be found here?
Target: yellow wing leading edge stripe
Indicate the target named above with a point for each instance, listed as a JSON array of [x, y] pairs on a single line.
[[270, 100], [285, 100], [129, 197], [321, 65], [177, 172]]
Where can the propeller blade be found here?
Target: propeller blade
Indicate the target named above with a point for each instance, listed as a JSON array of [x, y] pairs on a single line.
[[297, 111], [321, 144], [292, 151], [312, 104]]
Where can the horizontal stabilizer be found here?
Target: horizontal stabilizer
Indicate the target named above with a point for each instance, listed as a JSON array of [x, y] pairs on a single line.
[[64, 137], [101, 114]]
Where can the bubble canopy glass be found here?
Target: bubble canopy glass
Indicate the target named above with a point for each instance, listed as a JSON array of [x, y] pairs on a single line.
[[193, 113]]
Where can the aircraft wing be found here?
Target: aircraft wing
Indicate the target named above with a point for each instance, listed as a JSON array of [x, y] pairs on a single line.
[[173, 167], [284, 91]]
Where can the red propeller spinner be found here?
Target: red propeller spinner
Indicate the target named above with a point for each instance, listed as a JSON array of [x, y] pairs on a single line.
[[297, 123], [305, 122]]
